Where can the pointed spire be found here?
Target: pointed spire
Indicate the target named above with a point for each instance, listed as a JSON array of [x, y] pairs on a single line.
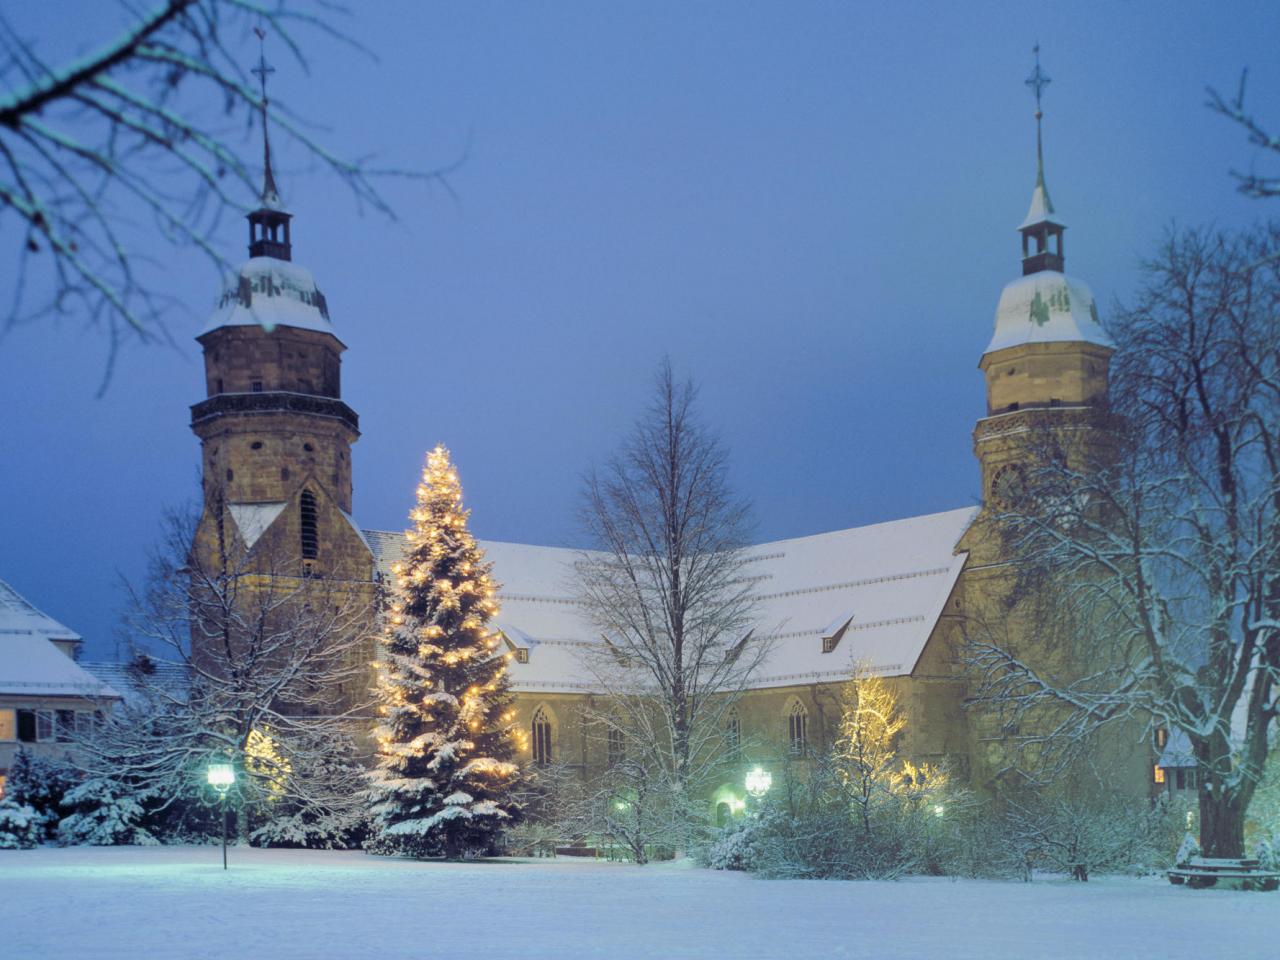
[[1041, 224], [269, 224], [270, 196]]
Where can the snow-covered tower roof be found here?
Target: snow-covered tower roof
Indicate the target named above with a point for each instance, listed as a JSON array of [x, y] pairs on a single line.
[[1044, 305]]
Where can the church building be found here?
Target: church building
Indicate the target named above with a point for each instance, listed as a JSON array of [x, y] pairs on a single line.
[[277, 436]]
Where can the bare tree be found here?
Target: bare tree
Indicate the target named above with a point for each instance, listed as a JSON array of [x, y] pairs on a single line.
[[1251, 184], [141, 131], [274, 669], [670, 591], [1162, 553]]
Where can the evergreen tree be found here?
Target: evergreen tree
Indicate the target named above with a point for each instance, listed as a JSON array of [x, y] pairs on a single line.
[[104, 813], [40, 783], [444, 782]]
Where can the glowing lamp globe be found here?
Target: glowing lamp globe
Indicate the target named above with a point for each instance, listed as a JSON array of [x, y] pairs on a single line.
[[758, 782], [221, 776]]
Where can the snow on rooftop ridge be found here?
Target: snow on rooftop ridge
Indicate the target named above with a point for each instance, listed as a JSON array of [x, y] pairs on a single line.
[[271, 293], [19, 616], [31, 666], [885, 583], [1046, 307]]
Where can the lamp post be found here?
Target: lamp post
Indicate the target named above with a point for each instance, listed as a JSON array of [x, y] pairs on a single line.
[[221, 776], [758, 782]]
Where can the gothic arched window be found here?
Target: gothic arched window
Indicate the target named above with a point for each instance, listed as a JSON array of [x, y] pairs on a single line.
[[541, 741], [307, 516], [617, 747], [733, 732], [797, 729]]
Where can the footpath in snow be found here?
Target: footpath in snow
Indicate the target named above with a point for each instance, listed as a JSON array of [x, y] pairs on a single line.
[[174, 903]]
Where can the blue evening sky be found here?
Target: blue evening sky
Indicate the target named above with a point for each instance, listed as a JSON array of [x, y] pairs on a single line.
[[809, 206]]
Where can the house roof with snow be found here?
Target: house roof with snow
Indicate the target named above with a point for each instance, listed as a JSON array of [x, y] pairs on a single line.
[[142, 682], [878, 590], [19, 617], [30, 664]]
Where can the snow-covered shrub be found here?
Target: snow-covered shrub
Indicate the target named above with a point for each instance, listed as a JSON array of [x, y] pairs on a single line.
[[739, 845], [40, 783], [1079, 838], [1265, 853], [103, 813], [21, 827], [1190, 848], [313, 796], [324, 831]]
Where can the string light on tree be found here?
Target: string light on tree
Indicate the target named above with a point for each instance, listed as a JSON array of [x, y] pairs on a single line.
[[444, 779]]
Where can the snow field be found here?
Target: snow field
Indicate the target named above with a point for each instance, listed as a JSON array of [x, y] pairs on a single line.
[[176, 903]]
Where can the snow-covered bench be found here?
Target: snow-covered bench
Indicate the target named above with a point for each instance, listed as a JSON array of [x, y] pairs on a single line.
[[1246, 874]]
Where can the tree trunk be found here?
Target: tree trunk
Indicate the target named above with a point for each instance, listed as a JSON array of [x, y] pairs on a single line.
[[1221, 823]]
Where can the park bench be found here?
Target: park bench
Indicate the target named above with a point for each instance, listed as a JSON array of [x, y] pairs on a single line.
[[1245, 874]]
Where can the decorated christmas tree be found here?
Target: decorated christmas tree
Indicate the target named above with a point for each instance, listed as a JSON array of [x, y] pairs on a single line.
[[444, 781]]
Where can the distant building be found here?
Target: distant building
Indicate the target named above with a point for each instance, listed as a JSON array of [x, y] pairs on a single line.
[[276, 440], [46, 698]]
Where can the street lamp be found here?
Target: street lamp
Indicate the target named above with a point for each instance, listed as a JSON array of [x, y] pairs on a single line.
[[758, 782], [221, 777]]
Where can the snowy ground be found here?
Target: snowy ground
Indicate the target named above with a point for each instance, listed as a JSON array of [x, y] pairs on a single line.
[[176, 902]]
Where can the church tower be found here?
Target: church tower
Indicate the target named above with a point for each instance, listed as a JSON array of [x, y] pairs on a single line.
[[1046, 365], [275, 433]]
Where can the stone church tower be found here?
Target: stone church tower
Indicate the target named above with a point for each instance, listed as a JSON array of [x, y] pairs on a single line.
[[1046, 370], [274, 430]]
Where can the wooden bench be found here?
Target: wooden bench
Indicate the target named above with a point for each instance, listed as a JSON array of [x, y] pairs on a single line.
[[1245, 874]]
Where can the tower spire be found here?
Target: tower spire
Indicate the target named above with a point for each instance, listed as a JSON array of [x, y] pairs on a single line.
[[270, 196], [1041, 225], [269, 224], [1037, 82]]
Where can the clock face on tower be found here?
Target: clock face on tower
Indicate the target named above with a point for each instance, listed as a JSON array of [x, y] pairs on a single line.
[[1008, 486]]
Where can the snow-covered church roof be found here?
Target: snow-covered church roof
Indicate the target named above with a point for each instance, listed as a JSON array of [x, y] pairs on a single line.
[[1046, 307], [881, 587], [30, 663], [271, 293]]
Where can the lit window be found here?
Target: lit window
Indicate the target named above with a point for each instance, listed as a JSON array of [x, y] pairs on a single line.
[[541, 730], [1159, 774], [8, 725], [310, 537], [3, 779], [798, 729], [617, 747]]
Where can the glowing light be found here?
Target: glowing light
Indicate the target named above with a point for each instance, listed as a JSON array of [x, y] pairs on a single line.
[[939, 810], [221, 776], [758, 782]]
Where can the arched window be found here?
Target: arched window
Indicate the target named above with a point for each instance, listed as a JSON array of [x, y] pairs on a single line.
[[541, 742], [797, 729], [733, 732], [617, 747], [310, 538]]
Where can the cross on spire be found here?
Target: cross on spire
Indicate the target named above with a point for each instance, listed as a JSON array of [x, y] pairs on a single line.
[[1038, 79], [270, 196]]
